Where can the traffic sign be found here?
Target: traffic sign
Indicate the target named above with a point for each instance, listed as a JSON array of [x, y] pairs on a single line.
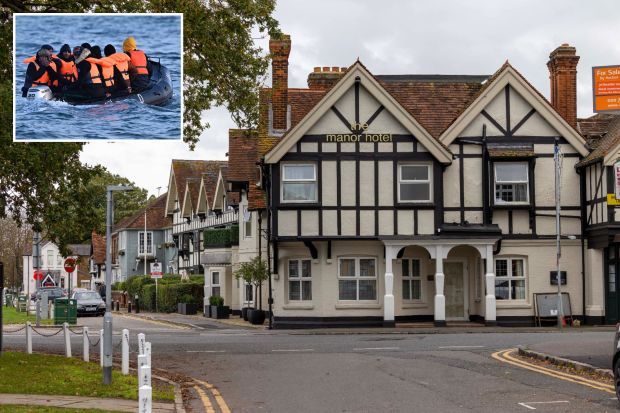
[[38, 275], [156, 271], [70, 264]]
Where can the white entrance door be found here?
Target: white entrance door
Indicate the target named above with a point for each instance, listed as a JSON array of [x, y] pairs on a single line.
[[455, 290]]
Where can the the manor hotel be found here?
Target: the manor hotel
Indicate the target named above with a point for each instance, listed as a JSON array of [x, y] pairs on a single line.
[[380, 199]]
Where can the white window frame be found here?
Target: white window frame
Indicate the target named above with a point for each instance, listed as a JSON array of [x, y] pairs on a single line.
[[510, 278], [358, 278], [219, 282], [411, 278], [149, 245], [50, 258], [300, 279], [428, 181], [284, 181], [246, 233], [498, 201], [247, 302]]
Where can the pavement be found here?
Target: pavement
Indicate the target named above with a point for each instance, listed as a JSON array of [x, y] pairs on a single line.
[[76, 402]]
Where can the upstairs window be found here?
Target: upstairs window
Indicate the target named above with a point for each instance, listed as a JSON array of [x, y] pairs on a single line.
[[149, 243], [414, 183], [511, 183], [299, 182]]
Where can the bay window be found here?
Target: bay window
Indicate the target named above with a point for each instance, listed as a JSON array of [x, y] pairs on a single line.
[[148, 246]]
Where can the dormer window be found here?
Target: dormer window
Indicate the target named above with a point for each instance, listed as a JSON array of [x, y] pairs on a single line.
[[299, 182], [511, 183]]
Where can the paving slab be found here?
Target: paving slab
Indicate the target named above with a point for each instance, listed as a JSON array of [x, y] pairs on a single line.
[[77, 402]]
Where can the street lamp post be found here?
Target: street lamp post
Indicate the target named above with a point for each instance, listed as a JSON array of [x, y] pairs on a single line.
[[107, 318]]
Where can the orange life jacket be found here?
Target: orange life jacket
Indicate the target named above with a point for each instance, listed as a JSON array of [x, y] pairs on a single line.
[[68, 70], [138, 61], [32, 59], [43, 80], [95, 77], [121, 61]]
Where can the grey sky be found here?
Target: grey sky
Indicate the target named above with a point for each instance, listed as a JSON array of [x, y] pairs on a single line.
[[398, 37]]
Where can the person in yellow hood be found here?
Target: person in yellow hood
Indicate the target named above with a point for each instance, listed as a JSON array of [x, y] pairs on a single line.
[[138, 65]]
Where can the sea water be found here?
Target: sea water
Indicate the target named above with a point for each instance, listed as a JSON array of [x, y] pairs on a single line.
[[159, 36]]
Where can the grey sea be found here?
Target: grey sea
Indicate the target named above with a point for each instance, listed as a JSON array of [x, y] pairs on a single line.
[[159, 36]]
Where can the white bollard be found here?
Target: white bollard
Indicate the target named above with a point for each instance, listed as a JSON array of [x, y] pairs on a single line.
[[65, 327], [147, 352], [141, 363], [85, 344], [101, 347], [125, 352], [141, 341], [145, 376], [28, 337], [145, 399]]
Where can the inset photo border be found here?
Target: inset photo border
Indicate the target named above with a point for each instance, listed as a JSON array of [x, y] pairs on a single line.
[[81, 77]]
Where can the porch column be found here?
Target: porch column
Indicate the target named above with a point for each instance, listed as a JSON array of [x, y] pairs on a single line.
[[490, 315], [440, 298], [388, 298]]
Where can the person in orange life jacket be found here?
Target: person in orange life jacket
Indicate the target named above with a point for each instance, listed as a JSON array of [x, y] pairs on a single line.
[[40, 71], [66, 64], [54, 64], [138, 67], [106, 68], [121, 67], [89, 77]]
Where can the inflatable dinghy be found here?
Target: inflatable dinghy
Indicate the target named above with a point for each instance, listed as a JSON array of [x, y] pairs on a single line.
[[158, 92]]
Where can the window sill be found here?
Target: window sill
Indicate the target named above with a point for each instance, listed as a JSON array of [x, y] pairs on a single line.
[[298, 307], [418, 304], [505, 304], [512, 206], [357, 305]]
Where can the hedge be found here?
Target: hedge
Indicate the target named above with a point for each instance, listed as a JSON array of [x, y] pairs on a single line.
[[221, 237], [168, 296], [171, 291]]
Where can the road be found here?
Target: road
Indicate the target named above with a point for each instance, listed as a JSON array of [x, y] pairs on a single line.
[[299, 372]]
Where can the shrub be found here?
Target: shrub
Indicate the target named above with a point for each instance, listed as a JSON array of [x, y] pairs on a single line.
[[216, 300], [221, 237], [169, 295], [118, 286], [147, 299]]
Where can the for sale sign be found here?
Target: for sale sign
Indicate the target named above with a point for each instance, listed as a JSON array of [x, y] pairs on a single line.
[[606, 83], [156, 271]]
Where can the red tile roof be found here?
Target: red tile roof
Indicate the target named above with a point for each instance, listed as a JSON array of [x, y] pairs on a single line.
[[155, 218], [97, 248]]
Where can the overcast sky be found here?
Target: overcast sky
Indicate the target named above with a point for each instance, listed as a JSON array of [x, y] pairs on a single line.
[[404, 37]]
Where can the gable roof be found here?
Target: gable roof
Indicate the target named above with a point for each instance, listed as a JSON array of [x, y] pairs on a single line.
[[507, 75], [180, 171], [379, 92], [607, 146], [155, 217]]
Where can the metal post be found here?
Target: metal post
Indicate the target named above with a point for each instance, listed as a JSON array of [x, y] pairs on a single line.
[[101, 347], [65, 327], [85, 344], [125, 352], [558, 231], [107, 318], [145, 243], [2, 302], [36, 263], [28, 337]]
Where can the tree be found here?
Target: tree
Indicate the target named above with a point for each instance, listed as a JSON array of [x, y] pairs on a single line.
[[13, 239], [256, 272], [222, 65]]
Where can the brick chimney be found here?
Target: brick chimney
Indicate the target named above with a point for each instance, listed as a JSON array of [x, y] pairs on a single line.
[[326, 77], [562, 66], [280, 48]]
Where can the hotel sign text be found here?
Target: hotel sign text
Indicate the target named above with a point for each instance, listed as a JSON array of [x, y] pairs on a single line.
[[360, 136]]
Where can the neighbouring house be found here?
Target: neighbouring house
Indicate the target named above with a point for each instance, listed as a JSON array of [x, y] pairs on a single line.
[[52, 266], [97, 259], [132, 247]]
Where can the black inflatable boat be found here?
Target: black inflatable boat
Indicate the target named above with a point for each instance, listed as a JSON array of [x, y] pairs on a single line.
[[158, 93]]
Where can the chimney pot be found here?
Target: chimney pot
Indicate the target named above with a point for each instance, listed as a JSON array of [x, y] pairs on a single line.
[[317, 69], [326, 68]]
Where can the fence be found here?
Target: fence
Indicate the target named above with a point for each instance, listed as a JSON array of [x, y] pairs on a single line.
[[142, 349]]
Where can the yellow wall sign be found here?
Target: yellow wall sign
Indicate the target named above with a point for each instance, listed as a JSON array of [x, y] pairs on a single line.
[[612, 200]]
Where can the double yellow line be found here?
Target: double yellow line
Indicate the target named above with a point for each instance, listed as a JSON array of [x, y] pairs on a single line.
[[223, 407], [506, 356]]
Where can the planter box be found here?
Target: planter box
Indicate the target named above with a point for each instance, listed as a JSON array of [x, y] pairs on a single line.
[[256, 317], [186, 308], [220, 312], [244, 312], [207, 311]]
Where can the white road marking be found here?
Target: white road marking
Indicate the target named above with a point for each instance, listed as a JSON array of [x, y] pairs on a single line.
[[527, 405], [292, 350], [461, 347], [205, 351], [376, 348]]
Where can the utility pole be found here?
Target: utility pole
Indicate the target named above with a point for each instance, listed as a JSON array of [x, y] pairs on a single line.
[[558, 175], [36, 263], [107, 318]]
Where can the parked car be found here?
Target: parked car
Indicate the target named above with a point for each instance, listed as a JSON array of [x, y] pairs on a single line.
[[616, 363], [52, 293], [89, 302]]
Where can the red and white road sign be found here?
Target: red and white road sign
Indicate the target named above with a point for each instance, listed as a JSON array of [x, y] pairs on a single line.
[[156, 271], [38, 275], [70, 264]]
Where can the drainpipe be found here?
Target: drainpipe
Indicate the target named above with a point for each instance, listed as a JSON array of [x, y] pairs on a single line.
[[270, 299], [582, 196], [260, 255]]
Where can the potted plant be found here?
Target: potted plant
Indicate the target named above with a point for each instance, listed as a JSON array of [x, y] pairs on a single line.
[[218, 309], [187, 305], [258, 272], [244, 273]]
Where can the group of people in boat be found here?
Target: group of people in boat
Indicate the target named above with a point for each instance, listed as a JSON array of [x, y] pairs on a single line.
[[86, 71]]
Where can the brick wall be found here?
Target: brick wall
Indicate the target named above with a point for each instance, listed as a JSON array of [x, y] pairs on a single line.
[[280, 49]]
